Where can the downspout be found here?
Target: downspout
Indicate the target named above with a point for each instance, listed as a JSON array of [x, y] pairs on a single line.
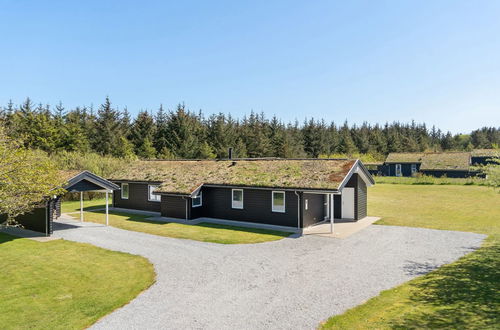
[[298, 210], [184, 198]]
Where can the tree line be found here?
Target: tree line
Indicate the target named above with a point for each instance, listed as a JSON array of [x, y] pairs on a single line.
[[181, 133]]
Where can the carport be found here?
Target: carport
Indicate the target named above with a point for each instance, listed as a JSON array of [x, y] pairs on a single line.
[[89, 182], [41, 217]]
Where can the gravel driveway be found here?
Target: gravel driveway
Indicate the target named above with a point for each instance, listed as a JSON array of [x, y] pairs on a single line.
[[294, 283]]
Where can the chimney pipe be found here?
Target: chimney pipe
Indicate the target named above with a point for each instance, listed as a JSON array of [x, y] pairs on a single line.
[[230, 153]]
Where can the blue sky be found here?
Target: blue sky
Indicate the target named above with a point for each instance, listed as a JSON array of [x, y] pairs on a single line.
[[432, 61]]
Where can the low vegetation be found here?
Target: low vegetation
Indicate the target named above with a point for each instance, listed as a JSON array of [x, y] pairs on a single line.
[[430, 180], [460, 295], [65, 285], [205, 232]]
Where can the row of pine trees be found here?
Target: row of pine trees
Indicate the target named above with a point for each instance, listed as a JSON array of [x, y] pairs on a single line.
[[180, 133]]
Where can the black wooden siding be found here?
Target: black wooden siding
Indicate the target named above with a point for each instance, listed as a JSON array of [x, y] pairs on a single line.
[[390, 169], [257, 207], [315, 209], [174, 207], [360, 198], [137, 198], [39, 219]]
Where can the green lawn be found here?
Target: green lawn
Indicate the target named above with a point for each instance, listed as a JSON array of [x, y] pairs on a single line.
[[74, 206], [65, 285], [461, 295], [205, 232]]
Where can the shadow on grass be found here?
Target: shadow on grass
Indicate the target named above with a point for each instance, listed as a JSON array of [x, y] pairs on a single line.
[[144, 219], [462, 295], [5, 238]]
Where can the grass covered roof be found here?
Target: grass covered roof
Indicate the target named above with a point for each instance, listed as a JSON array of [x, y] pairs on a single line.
[[433, 160], [184, 177], [485, 153]]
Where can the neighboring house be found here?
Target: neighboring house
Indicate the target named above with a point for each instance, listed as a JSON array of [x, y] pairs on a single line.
[[42, 216], [402, 164], [438, 164], [285, 192], [484, 156]]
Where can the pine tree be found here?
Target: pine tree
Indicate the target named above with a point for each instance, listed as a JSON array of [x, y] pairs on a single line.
[[142, 134], [107, 136]]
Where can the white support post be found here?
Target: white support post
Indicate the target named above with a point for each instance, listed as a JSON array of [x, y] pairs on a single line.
[[331, 213], [81, 206], [107, 208]]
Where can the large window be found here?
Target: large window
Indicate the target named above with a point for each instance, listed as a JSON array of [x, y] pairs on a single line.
[[197, 200], [237, 198], [152, 197], [124, 190], [398, 169], [278, 201]]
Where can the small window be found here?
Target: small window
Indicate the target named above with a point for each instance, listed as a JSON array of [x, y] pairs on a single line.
[[153, 197], [237, 199], [413, 168], [197, 200], [398, 169], [278, 201], [124, 190]]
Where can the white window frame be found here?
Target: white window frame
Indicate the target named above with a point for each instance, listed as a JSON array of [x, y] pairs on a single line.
[[399, 171], [237, 204], [413, 168], [200, 196], [151, 197], [121, 190], [278, 208]]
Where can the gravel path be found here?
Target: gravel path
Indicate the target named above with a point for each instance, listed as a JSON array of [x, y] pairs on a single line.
[[293, 283]]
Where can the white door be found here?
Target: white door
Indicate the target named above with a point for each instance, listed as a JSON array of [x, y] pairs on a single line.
[[348, 203]]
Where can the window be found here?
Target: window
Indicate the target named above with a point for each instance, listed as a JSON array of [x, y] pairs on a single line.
[[413, 168], [237, 199], [197, 200], [398, 169], [153, 197], [124, 190], [279, 201]]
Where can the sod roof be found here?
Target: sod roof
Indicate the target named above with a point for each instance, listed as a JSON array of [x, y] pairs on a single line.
[[446, 161], [433, 160], [184, 177], [485, 153], [404, 157]]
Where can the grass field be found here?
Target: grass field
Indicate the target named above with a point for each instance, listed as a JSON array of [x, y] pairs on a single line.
[[205, 232], [65, 285], [74, 206], [461, 295]]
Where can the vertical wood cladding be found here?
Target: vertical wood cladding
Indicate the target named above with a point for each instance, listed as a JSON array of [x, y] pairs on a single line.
[[137, 198], [39, 219], [257, 207], [315, 211], [390, 169], [360, 197], [174, 207]]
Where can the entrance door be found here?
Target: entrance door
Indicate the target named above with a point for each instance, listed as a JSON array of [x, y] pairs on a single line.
[[348, 203], [313, 209]]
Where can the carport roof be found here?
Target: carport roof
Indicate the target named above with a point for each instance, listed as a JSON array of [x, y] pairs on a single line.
[[71, 178], [184, 177]]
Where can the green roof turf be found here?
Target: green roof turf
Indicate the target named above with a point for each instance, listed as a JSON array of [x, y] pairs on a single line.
[[485, 153], [185, 176], [433, 160]]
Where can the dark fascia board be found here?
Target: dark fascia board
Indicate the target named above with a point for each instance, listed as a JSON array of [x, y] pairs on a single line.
[[402, 162], [317, 190], [447, 170], [137, 181], [95, 179]]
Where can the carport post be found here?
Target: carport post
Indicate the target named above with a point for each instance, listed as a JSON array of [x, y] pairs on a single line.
[[331, 213], [81, 206], [107, 208]]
